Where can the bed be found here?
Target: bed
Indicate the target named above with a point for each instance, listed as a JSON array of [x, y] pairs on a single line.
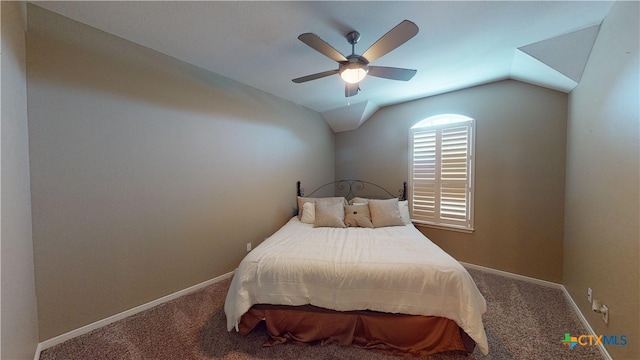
[[370, 280]]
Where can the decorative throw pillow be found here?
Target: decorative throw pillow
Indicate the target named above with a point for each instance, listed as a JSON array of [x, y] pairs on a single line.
[[308, 213], [385, 213], [327, 214], [302, 200], [357, 216]]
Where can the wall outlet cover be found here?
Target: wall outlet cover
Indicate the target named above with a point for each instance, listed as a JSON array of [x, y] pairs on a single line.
[[605, 314]]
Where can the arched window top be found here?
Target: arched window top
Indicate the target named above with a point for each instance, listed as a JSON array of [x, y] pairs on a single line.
[[442, 119]]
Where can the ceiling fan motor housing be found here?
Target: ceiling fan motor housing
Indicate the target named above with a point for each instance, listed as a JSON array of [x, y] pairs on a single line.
[[353, 70]]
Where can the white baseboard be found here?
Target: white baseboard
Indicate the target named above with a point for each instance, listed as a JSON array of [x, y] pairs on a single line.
[[100, 323], [576, 309], [38, 351], [513, 276]]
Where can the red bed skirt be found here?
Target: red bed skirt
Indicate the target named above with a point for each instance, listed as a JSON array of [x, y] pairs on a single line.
[[397, 334]]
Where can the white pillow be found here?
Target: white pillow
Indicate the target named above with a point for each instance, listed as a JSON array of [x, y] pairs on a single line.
[[308, 213], [358, 200], [404, 211]]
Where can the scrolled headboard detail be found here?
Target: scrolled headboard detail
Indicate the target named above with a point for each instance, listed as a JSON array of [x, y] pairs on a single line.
[[356, 188]]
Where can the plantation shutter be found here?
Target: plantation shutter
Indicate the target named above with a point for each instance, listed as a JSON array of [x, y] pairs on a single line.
[[424, 175], [441, 181]]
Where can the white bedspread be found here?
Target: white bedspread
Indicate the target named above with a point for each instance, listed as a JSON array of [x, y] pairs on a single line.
[[392, 269]]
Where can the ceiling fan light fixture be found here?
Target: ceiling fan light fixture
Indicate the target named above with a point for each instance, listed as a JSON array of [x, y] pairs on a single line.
[[353, 72]]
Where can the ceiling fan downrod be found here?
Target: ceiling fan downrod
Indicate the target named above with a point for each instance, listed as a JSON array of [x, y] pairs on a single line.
[[353, 38]]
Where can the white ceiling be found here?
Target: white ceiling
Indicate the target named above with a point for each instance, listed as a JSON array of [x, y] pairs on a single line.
[[460, 43]]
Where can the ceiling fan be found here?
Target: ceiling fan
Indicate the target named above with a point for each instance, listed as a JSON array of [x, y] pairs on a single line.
[[354, 68]]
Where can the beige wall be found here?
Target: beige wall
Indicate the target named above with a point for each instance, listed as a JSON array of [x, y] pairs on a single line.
[[149, 175], [19, 314], [602, 228], [142, 164], [520, 161]]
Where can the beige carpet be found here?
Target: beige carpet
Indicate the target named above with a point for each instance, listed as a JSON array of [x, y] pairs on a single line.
[[523, 321]]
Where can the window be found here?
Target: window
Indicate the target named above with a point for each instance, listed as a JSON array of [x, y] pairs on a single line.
[[441, 172]]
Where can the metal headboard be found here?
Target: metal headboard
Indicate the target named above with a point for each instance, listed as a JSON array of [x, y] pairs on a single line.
[[355, 188]]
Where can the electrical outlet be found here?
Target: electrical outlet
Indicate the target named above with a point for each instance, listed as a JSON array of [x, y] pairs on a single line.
[[589, 294], [248, 246], [604, 309]]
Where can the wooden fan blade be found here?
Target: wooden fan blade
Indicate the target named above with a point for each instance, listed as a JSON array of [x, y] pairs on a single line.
[[322, 47], [351, 89], [392, 73], [314, 76], [397, 36]]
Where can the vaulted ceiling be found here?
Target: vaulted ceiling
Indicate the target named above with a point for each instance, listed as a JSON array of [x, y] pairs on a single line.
[[460, 44]]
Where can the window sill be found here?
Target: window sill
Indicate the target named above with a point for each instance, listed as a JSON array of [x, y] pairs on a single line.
[[443, 227]]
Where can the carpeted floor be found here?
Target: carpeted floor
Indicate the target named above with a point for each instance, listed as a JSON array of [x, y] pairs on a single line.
[[523, 321]]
